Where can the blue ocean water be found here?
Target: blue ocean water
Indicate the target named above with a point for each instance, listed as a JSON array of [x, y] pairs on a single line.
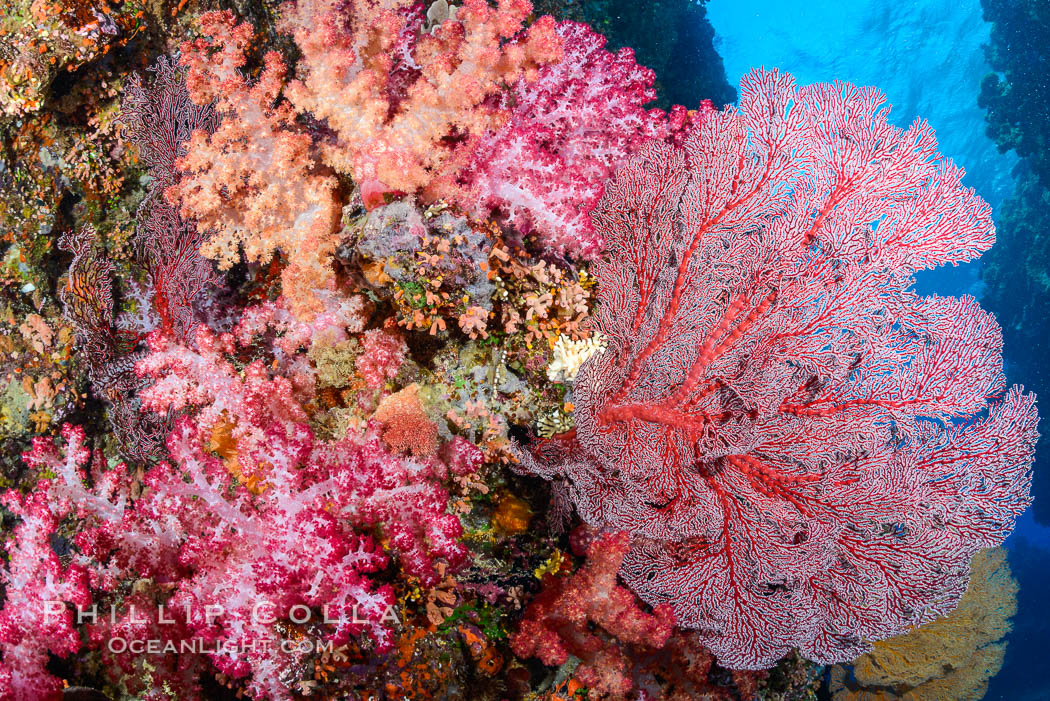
[[927, 57]]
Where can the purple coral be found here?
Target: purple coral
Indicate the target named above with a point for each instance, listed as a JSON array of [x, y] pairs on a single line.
[[159, 120]]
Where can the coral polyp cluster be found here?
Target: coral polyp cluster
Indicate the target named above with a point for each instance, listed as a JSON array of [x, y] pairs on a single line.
[[384, 350]]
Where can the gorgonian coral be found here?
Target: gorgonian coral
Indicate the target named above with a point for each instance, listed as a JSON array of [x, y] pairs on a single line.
[[159, 120], [807, 453], [953, 657], [108, 350]]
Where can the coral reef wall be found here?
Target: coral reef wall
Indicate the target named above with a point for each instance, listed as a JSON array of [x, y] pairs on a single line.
[[1016, 272], [382, 349]]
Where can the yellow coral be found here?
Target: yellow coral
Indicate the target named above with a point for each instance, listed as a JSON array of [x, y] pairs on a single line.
[[951, 658], [512, 516]]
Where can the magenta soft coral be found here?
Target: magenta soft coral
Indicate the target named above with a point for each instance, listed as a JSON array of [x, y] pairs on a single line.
[[589, 616], [400, 496], [37, 619], [806, 452], [278, 521], [570, 124], [282, 547], [229, 560], [265, 414], [403, 497]]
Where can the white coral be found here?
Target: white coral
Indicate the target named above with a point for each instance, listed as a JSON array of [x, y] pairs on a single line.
[[569, 355]]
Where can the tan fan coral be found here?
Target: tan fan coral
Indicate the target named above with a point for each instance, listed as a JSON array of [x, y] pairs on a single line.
[[951, 658]]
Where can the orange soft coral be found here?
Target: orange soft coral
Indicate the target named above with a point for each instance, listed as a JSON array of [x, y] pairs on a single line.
[[408, 102], [255, 183], [406, 427]]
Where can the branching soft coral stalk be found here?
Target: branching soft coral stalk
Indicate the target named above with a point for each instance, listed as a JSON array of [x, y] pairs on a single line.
[[112, 543], [479, 112], [254, 184], [558, 622], [807, 453]]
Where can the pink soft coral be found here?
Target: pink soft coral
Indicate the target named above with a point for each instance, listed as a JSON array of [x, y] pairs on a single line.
[[267, 417], [569, 126], [384, 352], [229, 560], [35, 621], [270, 434], [225, 557]]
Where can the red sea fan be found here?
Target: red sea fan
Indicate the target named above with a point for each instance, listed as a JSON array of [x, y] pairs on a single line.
[[159, 120], [797, 442], [87, 300]]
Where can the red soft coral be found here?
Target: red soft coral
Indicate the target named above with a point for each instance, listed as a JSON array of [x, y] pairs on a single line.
[[558, 621], [383, 354]]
